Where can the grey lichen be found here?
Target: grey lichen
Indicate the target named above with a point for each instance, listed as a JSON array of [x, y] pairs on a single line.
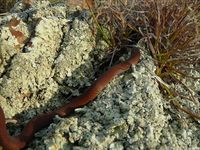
[[26, 72], [127, 113]]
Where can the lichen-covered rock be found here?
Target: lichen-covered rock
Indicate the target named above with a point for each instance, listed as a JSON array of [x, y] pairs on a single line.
[[48, 54]]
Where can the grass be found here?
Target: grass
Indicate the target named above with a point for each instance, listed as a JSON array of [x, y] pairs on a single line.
[[170, 29]]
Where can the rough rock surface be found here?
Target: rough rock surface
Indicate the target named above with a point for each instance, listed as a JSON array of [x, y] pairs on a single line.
[[48, 54]]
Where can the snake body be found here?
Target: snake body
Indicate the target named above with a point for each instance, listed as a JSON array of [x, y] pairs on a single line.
[[41, 121]]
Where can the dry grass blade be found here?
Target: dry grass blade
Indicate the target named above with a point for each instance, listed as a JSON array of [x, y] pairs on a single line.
[[171, 29], [115, 18]]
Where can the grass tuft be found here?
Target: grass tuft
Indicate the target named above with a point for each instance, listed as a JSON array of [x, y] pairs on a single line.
[[170, 29], [112, 20]]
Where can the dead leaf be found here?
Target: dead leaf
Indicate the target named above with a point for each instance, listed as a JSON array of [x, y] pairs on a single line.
[[18, 34], [13, 22]]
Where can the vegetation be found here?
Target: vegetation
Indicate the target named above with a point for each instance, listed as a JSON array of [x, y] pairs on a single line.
[[6, 5], [170, 29]]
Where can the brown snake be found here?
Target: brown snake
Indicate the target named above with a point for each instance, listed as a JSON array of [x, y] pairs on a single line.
[[43, 120]]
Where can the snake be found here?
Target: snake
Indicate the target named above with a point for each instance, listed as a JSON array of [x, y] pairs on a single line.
[[41, 121]]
